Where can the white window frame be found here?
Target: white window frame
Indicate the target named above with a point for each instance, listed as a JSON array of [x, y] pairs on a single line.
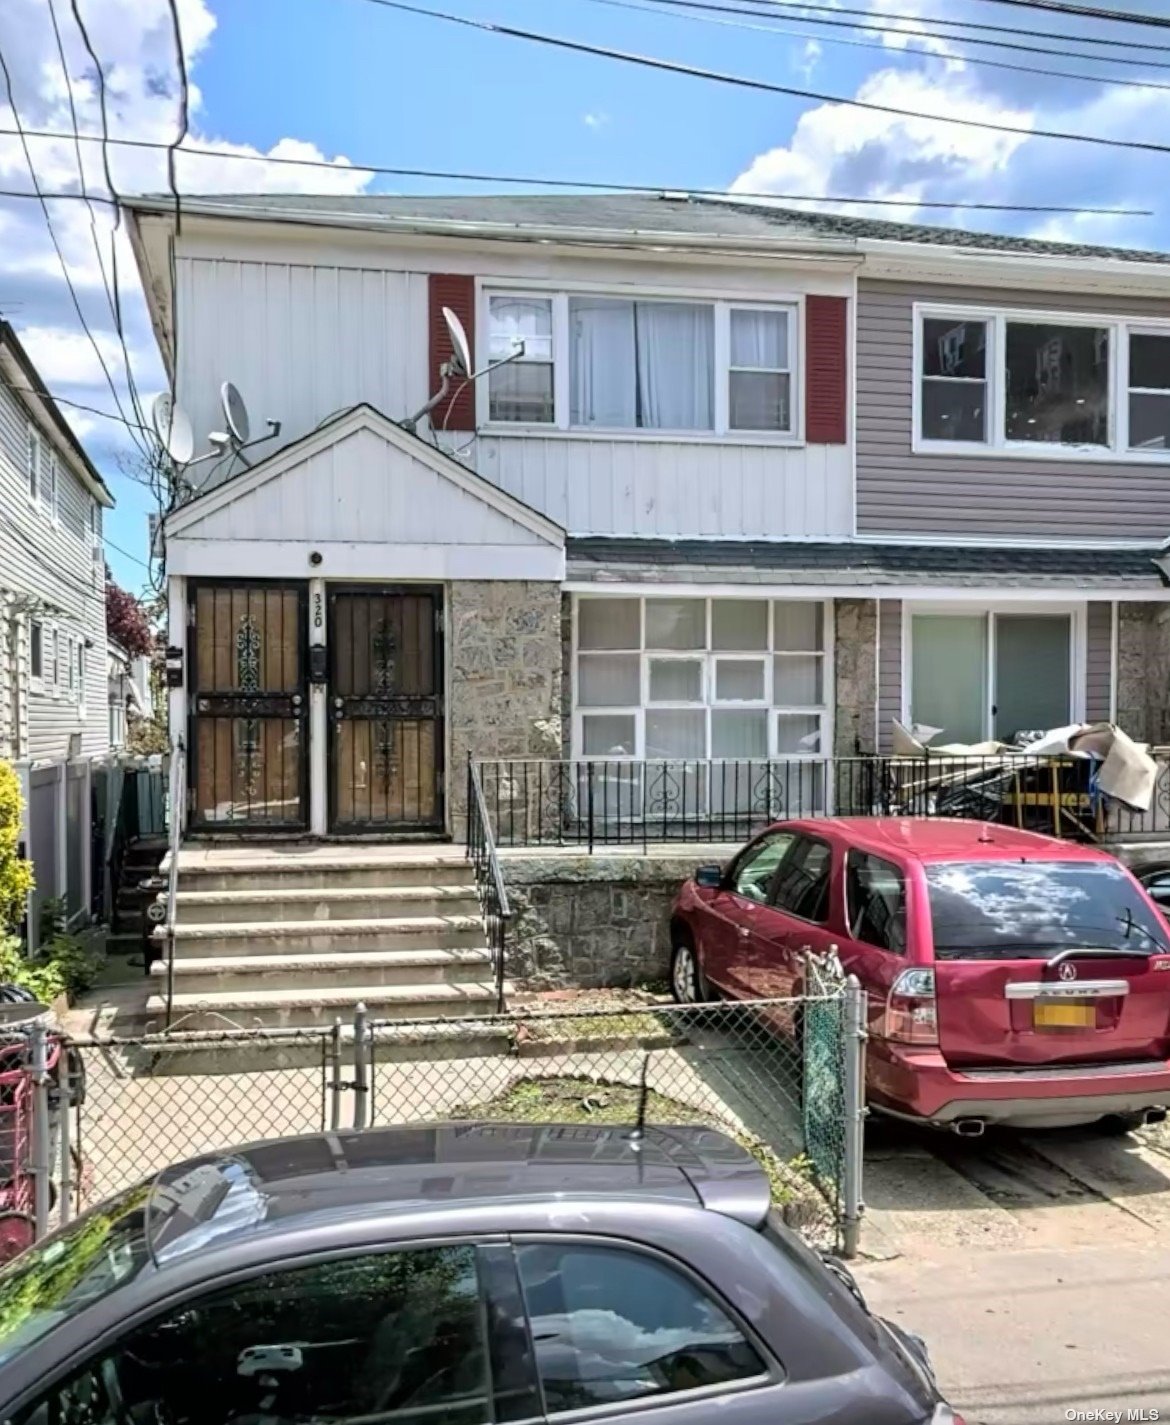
[[560, 428], [37, 679], [709, 657], [1077, 613], [34, 464], [1120, 329], [51, 492], [54, 682], [79, 655]]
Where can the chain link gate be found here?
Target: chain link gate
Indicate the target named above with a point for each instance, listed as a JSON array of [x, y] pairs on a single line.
[[784, 1078]]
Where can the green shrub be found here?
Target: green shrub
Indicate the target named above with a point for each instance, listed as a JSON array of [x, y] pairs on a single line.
[[16, 876], [66, 965]]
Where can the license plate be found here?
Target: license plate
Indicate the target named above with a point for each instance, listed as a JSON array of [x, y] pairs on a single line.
[[1063, 1014]]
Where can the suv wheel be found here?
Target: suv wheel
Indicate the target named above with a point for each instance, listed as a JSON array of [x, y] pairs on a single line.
[[686, 979]]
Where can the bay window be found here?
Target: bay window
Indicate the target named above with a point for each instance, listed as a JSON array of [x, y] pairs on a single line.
[[607, 363], [1034, 383]]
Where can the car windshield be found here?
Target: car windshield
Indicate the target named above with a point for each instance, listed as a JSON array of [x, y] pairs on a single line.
[[1031, 910], [72, 1269]]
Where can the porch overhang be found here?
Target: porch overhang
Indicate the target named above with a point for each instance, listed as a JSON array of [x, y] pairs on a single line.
[[362, 498]]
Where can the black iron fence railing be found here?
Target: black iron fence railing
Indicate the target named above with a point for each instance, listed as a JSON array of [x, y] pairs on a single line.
[[489, 881], [609, 801]]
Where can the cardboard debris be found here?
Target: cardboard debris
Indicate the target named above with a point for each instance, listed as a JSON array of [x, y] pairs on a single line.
[[1127, 771]]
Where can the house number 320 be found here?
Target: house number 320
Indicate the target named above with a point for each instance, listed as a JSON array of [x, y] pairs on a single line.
[[318, 610]]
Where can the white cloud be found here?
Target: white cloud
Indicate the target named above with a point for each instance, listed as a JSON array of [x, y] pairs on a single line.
[[595, 120], [135, 43], [837, 148]]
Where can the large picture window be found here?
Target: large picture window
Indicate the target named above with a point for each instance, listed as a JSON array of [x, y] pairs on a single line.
[[698, 679], [1034, 384], [600, 362]]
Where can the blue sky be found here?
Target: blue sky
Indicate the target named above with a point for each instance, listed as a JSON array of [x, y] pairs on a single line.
[[347, 79]]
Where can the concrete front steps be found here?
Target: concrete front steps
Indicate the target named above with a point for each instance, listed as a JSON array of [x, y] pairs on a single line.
[[293, 936]]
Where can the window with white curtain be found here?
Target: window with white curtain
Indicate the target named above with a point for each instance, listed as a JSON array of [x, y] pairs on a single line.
[[520, 334], [697, 678], [602, 362]]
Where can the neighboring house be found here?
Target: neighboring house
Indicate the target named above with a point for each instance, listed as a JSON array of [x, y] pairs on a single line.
[[128, 692], [762, 482], [52, 622]]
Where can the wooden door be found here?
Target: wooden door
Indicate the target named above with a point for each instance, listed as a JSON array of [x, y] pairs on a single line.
[[249, 734], [386, 709]]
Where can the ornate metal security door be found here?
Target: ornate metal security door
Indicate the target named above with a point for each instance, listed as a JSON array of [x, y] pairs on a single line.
[[249, 734], [386, 709]]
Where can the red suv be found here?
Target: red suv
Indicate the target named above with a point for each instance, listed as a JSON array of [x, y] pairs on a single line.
[[1011, 978]]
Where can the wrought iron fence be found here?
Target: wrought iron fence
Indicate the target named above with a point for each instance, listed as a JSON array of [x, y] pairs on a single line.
[[783, 1077], [612, 802], [489, 881]]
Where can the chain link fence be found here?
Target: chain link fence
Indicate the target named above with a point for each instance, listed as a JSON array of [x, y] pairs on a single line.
[[783, 1077]]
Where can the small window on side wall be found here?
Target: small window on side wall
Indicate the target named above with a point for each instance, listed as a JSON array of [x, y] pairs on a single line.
[[33, 462], [36, 650], [521, 392]]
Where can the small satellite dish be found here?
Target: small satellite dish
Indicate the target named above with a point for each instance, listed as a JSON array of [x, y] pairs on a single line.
[[235, 413], [461, 354], [172, 425]]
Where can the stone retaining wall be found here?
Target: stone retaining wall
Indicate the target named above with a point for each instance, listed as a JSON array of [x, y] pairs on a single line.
[[590, 921]]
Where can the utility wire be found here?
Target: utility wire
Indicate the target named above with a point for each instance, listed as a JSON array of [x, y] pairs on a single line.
[[743, 82], [454, 176], [923, 32], [112, 297], [1088, 12], [109, 544], [22, 134], [650, 8], [77, 405], [1109, 42]]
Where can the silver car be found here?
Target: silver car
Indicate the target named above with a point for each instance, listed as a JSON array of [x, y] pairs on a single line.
[[455, 1274]]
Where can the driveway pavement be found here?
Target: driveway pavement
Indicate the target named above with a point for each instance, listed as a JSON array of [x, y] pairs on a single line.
[[1036, 1266]]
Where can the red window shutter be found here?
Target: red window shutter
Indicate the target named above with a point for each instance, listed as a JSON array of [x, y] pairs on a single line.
[[457, 410], [826, 379]]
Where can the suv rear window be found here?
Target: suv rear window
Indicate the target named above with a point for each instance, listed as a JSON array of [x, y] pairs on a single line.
[[985, 910]]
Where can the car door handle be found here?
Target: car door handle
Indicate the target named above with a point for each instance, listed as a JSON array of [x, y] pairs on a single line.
[[744, 932]]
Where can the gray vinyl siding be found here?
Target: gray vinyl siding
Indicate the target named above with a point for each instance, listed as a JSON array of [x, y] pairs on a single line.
[[899, 492], [51, 560], [1099, 662], [889, 670]]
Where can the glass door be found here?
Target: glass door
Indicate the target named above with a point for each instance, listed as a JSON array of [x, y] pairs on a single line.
[[1033, 673], [948, 675]]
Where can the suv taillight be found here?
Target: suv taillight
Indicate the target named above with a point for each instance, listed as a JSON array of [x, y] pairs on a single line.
[[911, 1009], [944, 1415]]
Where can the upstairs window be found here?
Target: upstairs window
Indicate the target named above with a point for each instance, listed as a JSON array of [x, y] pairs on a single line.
[[33, 463], [49, 486], [607, 363], [36, 650], [1033, 383], [1149, 390], [522, 391]]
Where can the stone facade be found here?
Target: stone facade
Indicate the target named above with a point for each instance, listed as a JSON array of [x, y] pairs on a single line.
[[1143, 671], [504, 653], [590, 921], [855, 677]]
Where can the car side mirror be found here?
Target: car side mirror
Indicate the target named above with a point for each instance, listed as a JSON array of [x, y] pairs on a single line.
[[710, 878]]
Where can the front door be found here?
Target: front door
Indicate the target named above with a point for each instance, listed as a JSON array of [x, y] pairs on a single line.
[[386, 709], [248, 737]]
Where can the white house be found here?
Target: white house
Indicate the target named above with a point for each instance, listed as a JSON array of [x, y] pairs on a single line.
[[53, 693]]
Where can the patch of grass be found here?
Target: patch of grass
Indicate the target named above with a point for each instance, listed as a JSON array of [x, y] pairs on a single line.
[[577, 1100], [554, 1028]]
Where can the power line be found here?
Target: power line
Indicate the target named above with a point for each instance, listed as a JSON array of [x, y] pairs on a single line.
[[650, 8], [742, 81], [1088, 12], [109, 544], [1108, 41], [112, 298], [923, 32], [22, 134], [76, 405], [455, 176]]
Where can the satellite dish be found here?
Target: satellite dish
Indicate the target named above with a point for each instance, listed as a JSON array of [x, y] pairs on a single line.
[[172, 425], [235, 413], [461, 356]]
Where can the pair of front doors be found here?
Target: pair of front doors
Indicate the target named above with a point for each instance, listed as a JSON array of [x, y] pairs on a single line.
[[251, 736]]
